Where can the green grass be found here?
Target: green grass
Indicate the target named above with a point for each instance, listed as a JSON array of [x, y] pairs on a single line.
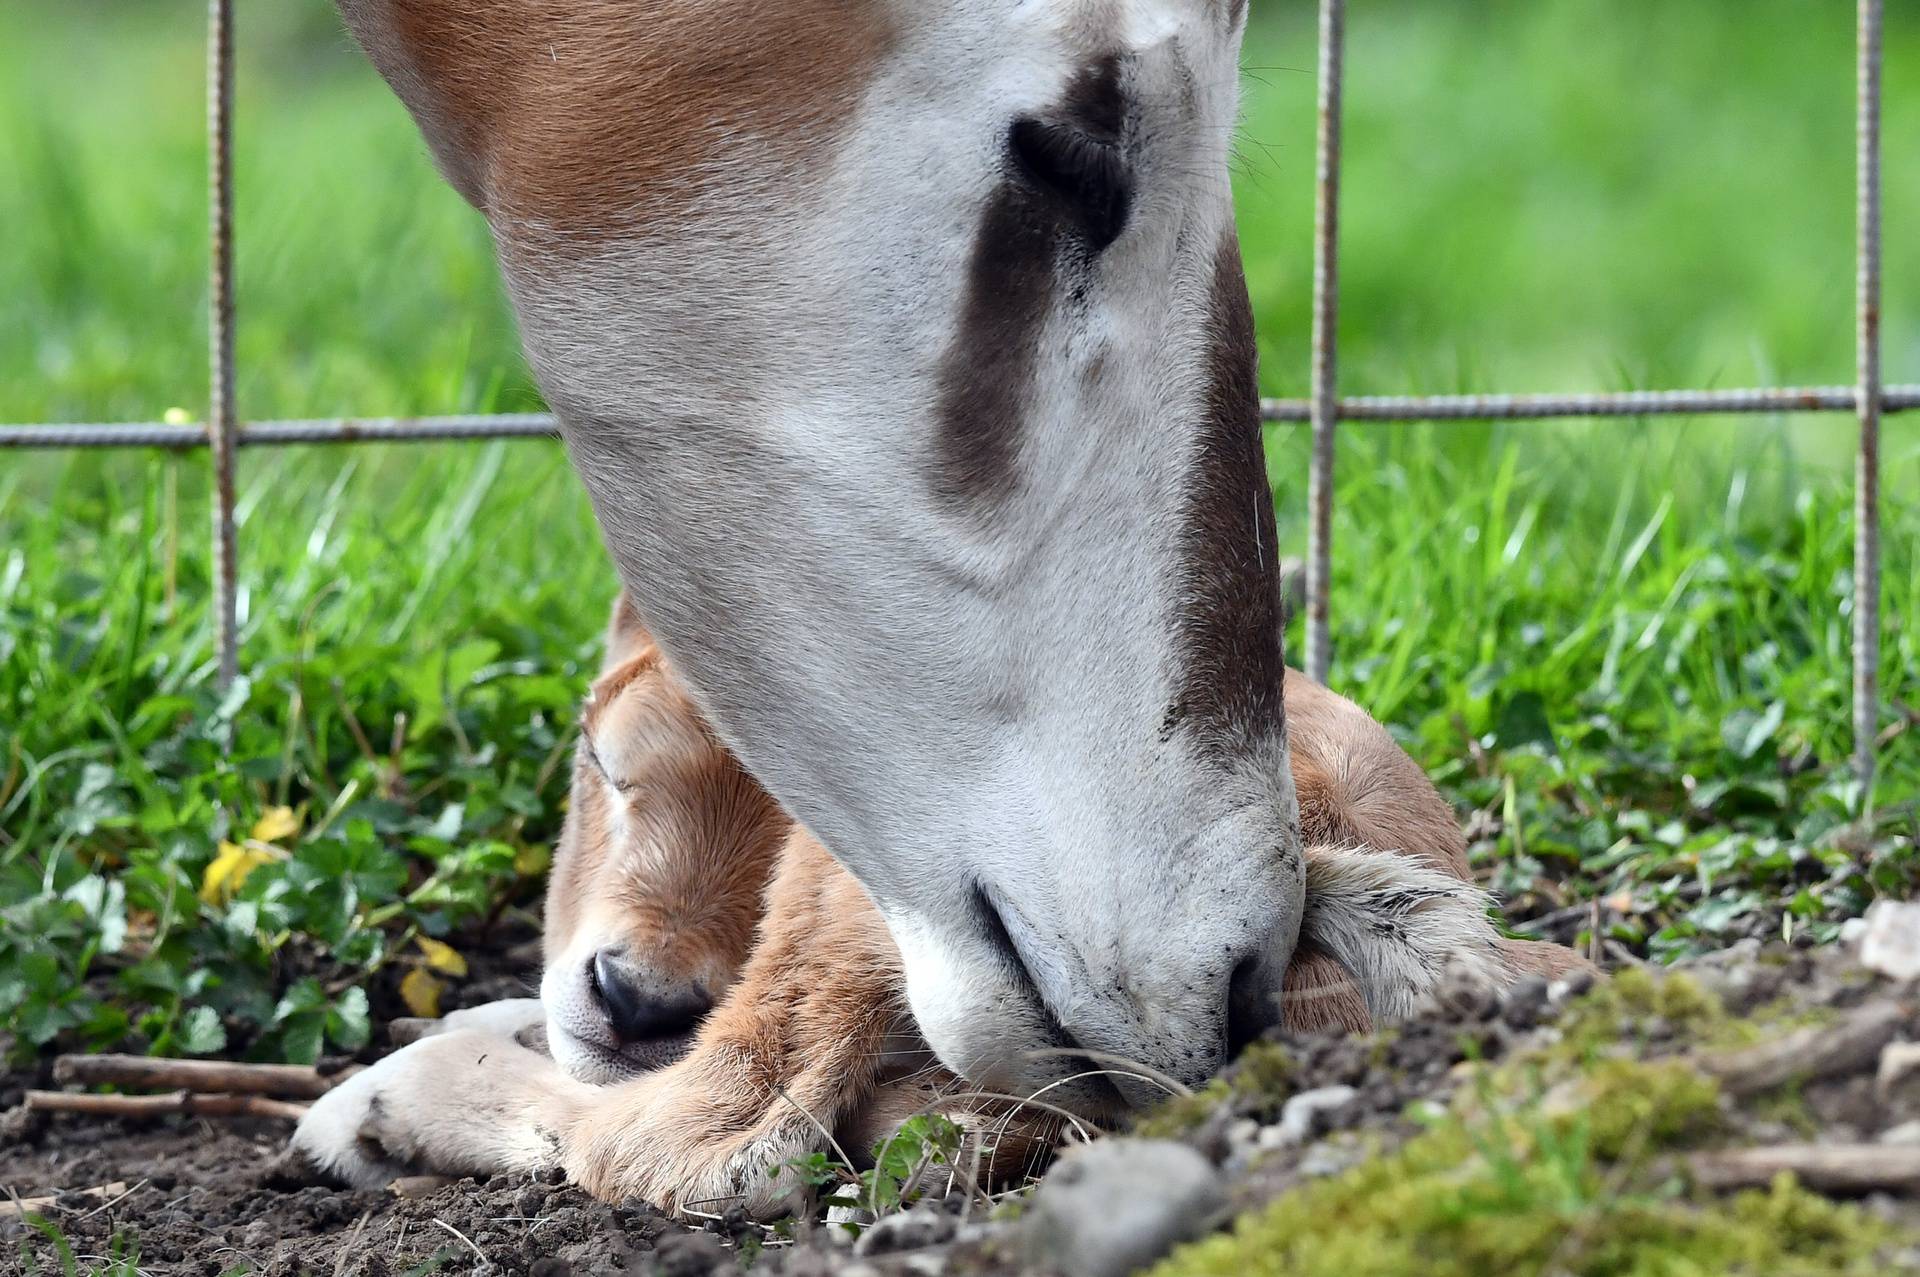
[[1621, 647]]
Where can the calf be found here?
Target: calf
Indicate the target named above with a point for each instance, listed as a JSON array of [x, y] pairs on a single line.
[[720, 994]]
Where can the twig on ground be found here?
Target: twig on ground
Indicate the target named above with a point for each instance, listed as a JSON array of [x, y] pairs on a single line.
[[1809, 1054], [20, 1207], [1848, 1169], [350, 1251], [486, 1265], [180, 1102], [205, 1077], [114, 1201]]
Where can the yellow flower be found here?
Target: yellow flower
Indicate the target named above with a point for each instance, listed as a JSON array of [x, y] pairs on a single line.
[[231, 867], [276, 823], [442, 957]]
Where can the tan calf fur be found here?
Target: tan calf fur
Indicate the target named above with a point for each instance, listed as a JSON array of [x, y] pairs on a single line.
[[673, 853], [804, 1036]]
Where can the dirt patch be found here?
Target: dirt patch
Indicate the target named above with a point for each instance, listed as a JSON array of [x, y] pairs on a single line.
[[1673, 1075], [200, 1197]]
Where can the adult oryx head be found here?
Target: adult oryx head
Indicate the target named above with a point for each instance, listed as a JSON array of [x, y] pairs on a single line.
[[904, 348]]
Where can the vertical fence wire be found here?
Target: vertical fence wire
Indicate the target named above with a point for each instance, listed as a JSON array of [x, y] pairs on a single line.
[[1866, 529], [1326, 347], [221, 416]]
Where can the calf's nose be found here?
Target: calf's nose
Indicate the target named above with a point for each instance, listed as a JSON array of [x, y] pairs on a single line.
[[639, 1006]]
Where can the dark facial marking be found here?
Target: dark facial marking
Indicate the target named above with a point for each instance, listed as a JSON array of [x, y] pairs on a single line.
[[987, 373], [1230, 631], [1066, 198]]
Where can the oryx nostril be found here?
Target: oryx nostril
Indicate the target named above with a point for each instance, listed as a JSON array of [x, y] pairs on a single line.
[[1253, 1001], [640, 1007]]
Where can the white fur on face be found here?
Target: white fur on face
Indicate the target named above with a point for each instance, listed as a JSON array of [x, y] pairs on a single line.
[[964, 704]]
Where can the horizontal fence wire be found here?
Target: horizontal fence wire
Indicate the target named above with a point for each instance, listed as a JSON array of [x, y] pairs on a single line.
[[1626, 403], [1387, 408], [181, 436]]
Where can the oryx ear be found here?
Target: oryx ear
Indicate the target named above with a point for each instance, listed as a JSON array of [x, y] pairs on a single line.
[[442, 58], [1397, 926]]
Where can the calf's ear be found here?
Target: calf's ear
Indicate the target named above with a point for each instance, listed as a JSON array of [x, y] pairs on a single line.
[[1397, 927]]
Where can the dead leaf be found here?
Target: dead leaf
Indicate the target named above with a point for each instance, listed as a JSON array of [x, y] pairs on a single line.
[[421, 992], [231, 866], [442, 957], [276, 823]]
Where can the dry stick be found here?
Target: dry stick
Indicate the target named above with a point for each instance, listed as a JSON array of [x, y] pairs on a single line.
[[481, 1255], [207, 1077], [1847, 1169], [181, 1102], [111, 1202], [1808, 1055], [19, 1208]]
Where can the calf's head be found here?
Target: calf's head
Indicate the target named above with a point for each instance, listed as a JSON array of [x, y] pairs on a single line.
[[904, 349], [656, 885]]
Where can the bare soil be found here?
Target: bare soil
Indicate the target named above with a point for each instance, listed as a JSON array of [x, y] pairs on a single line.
[[210, 1198]]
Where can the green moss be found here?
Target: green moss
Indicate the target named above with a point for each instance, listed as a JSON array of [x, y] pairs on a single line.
[[1552, 1163], [1473, 1202], [1260, 1081], [1617, 1011], [1633, 1108]]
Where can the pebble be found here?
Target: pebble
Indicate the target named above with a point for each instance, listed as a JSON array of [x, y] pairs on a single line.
[[1526, 1002], [1907, 1133], [690, 1254], [1897, 1083], [907, 1230], [1113, 1207], [1890, 940], [1327, 1158], [1312, 1113]]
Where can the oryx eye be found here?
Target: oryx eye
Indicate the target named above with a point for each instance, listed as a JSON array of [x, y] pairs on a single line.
[[1087, 175]]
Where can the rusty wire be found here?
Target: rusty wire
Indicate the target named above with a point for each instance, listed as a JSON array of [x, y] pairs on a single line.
[[221, 416], [1866, 514], [1324, 407], [184, 436]]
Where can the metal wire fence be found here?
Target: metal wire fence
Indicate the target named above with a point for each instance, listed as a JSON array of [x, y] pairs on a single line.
[[1867, 399]]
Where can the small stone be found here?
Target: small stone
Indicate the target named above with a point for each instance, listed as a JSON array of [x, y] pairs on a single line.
[[1525, 1002], [550, 1267], [1904, 1134], [1897, 1082], [1890, 942], [1312, 1113], [1327, 1159], [1113, 1207], [1577, 984], [690, 1255], [914, 1229]]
